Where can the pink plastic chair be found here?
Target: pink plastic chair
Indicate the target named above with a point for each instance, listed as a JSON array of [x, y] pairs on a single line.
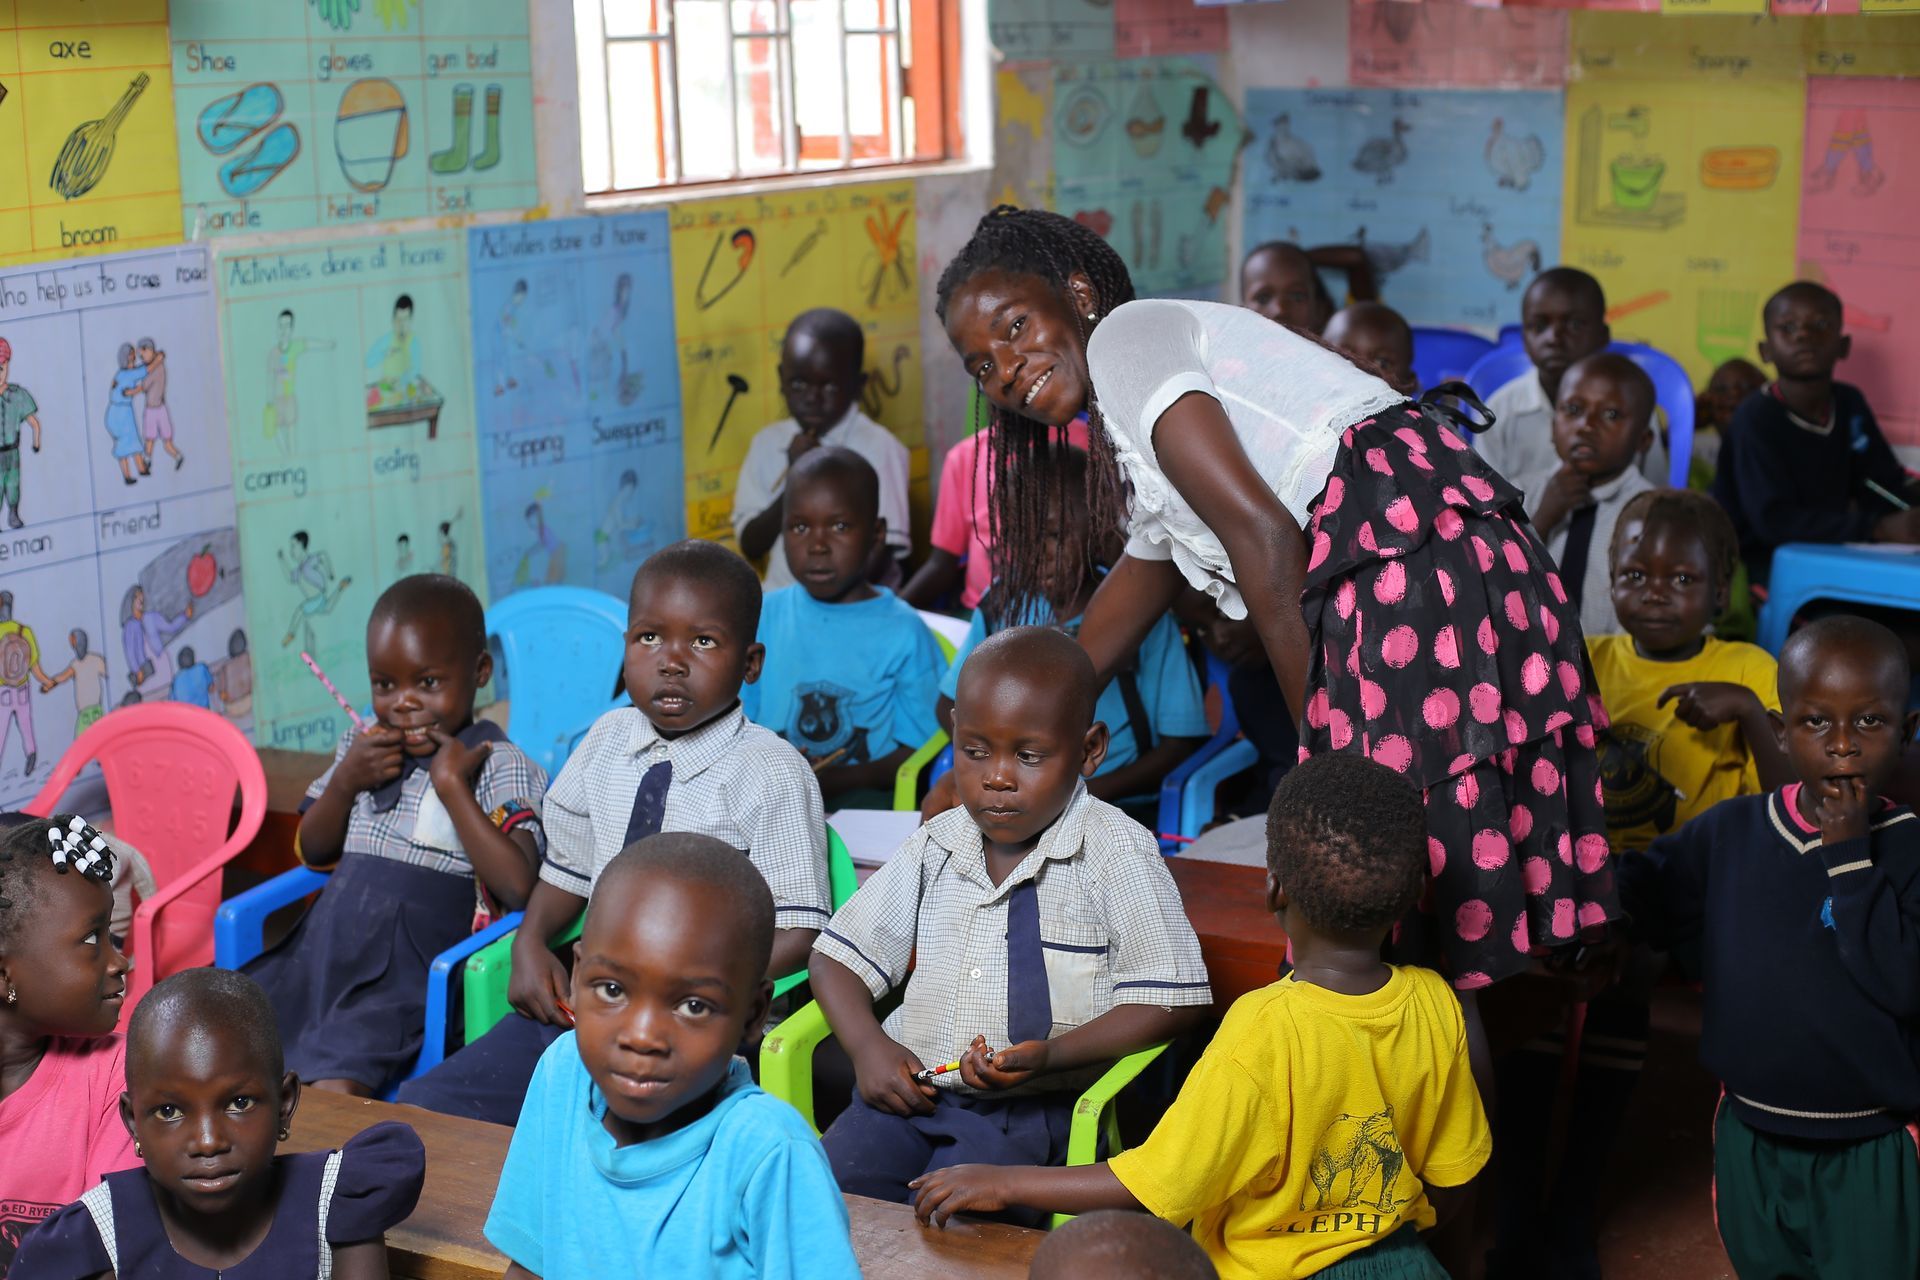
[[171, 771]]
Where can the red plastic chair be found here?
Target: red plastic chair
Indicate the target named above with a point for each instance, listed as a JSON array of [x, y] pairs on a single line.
[[171, 771]]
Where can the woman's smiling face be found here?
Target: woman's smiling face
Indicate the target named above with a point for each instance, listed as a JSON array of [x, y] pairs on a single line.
[[1024, 342]]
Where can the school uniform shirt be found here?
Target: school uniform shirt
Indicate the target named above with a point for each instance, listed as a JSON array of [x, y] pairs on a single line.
[[763, 479], [1520, 442], [1808, 956], [1112, 927], [1313, 1125], [857, 678], [744, 1191], [1169, 689], [61, 1133], [1783, 479], [1597, 617], [732, 780], [405, 820], [963, 511], [1658, 770]]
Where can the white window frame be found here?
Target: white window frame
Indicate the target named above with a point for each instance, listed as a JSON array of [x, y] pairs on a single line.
[[673, 169]]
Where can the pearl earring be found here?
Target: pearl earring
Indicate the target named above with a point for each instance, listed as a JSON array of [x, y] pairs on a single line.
[[1091, 316], [13, 997], [137, 1151], [283, 1133]]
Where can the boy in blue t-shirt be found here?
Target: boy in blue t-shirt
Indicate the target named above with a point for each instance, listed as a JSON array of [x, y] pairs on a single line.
[[643, 1135], [1158, 697], [851, 671]]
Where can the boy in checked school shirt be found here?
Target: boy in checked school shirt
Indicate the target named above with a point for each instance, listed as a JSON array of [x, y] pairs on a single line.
[[1046, 935]]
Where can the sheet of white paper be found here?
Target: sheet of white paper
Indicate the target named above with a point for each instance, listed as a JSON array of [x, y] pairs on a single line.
[[873, 836]]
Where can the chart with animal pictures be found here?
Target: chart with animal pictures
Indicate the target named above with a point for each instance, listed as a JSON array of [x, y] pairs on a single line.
[[1454, 194], [119, 568], [1860, 183], [350, 390], [1143, 153], [87, 160], [336, 112], [578, 399], [738, 266]]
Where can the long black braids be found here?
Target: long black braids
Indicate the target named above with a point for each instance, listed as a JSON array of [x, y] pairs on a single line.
[[1028, 469]]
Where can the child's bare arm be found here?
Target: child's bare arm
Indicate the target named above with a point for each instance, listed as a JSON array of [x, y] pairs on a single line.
[[939, 575], [1121, 1030], [987, 1188], [883, 1067], [364, 1260], [791, 947], [517, 1272], [538, 982], [1449, 1202], [373, 759], [1143, 773], [1707, 704], [504, 861], [759, 534]]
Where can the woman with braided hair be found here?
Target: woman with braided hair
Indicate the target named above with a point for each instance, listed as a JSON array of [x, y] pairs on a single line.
[[62, 982], [1409, 610]]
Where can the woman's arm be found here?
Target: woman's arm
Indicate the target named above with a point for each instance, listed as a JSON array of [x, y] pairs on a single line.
[[1204, 460], [939, 575], [1129, 600]]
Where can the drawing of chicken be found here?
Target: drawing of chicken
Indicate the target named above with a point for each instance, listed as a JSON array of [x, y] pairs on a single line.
[[1389, 258], [1381, 156], [1514, 158], [1290, 157], [1509, 264]]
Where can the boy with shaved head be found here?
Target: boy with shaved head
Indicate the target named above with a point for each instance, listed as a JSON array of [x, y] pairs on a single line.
[[1796, 910], [1045, 936]]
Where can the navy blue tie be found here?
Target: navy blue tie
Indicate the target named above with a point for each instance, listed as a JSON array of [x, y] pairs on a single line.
[[650, 802], [1029, 1005]]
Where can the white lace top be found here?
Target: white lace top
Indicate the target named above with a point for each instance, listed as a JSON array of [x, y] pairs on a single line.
[[1289, 401]]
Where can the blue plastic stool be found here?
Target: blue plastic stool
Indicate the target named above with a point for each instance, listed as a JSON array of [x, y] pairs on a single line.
[[1672, 390], [1443, 355], [1804, 572]]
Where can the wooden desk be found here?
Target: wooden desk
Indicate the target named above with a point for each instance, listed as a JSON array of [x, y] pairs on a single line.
[[1241, 941], [443, 1239]]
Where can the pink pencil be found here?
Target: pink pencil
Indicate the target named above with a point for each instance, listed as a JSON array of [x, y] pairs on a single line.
[[359, 725]]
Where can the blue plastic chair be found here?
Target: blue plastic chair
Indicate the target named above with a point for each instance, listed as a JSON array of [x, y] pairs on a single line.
[[1442, 355], [563, 647], [1510, 336], [1804, 572], [1190, 788], [1672, 390]]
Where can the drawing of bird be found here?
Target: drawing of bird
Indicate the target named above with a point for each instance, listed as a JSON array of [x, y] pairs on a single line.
[[1381, 156], [1389, 258], [1290, 157], [1514, 158], [1509, 264]]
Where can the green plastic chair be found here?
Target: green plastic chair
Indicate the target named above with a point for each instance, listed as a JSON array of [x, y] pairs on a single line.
[[786, 1072], [484, 980], [906, 779]]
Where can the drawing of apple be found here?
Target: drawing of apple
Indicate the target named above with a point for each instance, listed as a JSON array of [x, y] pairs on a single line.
[[202, 571]]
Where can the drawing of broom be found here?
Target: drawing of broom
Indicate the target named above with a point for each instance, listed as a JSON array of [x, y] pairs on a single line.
[[89, 149]]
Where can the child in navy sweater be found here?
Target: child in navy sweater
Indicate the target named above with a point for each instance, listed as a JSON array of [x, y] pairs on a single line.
[[1804, 460], [1797, 910]]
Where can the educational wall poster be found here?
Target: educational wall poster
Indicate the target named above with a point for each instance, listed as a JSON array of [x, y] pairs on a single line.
[[1454, 194], [1023, 136], [1860, 184], [1144, 152], [1397, 44], [1705, 48], [742, 268], [1146, 28], [1036, 30], [87, 159], [1843, 42], [948, 207], [577, 394], [1680, 198], [350, 390], [322, 113], [119, 568]]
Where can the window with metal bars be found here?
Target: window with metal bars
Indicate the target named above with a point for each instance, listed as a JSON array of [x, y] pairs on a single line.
[[689, 91]]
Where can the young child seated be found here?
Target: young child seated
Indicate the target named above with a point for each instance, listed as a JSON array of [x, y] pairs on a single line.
[[851, 672], [208, 1101], [1794, 908], [821, 377], [1713, 409], [419, 811], [62, 982], [1277, 280], [1690, 711], [1116, 1245], [683, 757], [643, 1135], [1334, 1115], [1602, 427], [1563, 320], [1805, 461], [1044, 934], [1153, 710], [1377, 338]]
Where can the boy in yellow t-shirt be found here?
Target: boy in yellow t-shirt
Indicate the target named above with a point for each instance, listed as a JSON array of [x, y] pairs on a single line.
[[1334, 1116]]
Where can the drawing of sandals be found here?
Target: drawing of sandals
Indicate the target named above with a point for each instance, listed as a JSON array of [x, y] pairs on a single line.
[[228, 124]]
